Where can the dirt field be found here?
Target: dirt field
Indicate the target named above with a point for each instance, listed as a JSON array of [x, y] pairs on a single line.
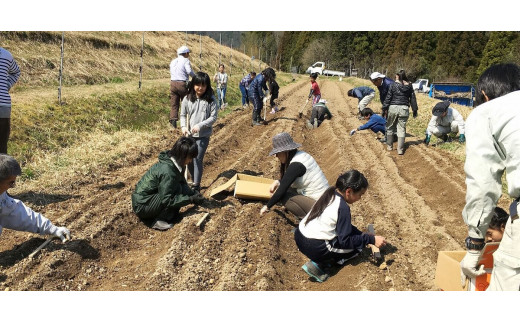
[[415, 201]]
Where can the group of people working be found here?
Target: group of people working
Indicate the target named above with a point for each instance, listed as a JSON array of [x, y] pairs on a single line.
[[325, 233]]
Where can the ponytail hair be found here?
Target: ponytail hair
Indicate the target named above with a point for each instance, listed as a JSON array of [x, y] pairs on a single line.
[[352, 179]]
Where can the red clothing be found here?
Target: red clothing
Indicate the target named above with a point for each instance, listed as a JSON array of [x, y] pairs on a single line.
[[315, 88]]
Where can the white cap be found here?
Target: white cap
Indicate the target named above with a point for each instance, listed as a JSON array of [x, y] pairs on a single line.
[[183, 50], [376, 75], [323, 101]]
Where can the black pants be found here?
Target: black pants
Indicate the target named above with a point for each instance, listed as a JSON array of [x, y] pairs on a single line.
[[5, 131]]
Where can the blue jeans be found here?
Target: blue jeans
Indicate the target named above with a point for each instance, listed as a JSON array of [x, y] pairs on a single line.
[[221, 96], [195, 167], [245, 98]]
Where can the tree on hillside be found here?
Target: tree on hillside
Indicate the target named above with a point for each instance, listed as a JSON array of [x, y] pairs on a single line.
[[501, 47]]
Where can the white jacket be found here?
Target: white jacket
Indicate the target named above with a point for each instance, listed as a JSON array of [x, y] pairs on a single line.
[[17, 216], [492, 147], [313, 183], [446, 121]]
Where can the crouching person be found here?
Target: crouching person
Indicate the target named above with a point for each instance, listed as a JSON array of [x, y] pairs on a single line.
[[163, 190], [375, 122], [301, 179], [445, 121], [326, 234], [320, 112], [14, 214]]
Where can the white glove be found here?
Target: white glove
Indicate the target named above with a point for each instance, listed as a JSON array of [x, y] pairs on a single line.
[[306, 101], [352, 132], [468, 266], [185, 131], [263, 210], [195, 129], [265, 100], [62, 233], [274, 186]]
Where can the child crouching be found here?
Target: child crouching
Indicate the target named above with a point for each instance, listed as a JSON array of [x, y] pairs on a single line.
[[326, 234]]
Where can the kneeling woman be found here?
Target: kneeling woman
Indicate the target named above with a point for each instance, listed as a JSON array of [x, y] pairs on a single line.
[[326, 235], [163, 190], [302, 181]]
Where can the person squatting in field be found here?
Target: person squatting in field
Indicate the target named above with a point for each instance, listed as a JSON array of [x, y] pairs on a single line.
[[326, 234], [396, 106], [14, 214], [364, 94], [244, 87], [492, 146], [274, 90], [256, 93], [445, 121], [198, 114], [180, 72], [163, 190], [315, 92], [319, 113], [375, 122], [301, 180]]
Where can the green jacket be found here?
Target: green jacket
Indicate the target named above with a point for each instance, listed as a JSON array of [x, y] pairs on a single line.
[[165, 179]]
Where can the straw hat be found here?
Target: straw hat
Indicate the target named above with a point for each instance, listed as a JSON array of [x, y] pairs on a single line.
[[283, 142]]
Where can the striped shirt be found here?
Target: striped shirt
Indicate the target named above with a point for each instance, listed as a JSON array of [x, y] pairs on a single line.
[[9, 74]]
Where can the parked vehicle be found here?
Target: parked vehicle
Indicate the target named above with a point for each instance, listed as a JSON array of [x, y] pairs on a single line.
[[319, 67], [458, 93], [421, 85]]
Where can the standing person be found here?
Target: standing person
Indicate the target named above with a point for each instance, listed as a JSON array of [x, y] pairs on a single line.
[[445, 120], [14, 214], [162, 191], [301, 180], [221, 79], [326, 234], [198, 114], [274, 90], [364, 94], [383, 85], [9, 74], [492, 146], [375, 122], [180, 70], [319, 113], [315, 92], [397, 105], [244, 87], [256, 93]]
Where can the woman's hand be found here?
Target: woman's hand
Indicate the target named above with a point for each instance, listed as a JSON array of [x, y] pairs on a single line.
[[263, 210], [274, 186], [185, 131], [380, 241], [195, 129]]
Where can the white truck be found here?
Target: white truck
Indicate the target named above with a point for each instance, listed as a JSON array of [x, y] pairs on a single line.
[[319, 67], [421, 85]]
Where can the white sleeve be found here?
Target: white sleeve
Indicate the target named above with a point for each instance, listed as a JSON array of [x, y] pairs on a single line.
[[431, 125], [184, 112], [460, 121], [15, 215]]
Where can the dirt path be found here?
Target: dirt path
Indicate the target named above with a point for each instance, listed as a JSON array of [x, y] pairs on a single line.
[[414, 200]]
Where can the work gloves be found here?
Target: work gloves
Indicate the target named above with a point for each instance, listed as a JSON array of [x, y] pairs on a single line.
[[468, 266], [462, 138], [427, 140], [352, 132], [415, 114], [265, 100], [197, 198], [62, 233]]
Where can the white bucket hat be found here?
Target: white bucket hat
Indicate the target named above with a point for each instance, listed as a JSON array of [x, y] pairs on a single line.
[[183, 50]]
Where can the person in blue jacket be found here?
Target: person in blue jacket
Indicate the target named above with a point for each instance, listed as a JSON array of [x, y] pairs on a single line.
[[375, 122], [256, 93], [364, 94], [326, 234], [383, 85]]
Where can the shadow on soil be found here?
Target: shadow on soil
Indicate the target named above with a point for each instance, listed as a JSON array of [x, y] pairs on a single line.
[[42, 199]]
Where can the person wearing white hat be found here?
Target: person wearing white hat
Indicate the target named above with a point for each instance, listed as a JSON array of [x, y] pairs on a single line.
[[382, 82], [301, 179], [180, 71]]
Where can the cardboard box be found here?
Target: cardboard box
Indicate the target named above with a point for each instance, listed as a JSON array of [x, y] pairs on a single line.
[[447, 274], [246, 187]]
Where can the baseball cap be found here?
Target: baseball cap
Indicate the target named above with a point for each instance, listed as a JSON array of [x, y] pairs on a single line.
[[440, 108], [183, 50], [377, 75]]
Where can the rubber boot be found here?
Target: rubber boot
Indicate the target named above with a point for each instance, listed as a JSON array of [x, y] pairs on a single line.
[[400, 145], [389, 142], [255, 119]]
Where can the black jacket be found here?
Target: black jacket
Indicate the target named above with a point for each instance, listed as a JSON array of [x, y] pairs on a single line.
[[400, 94]]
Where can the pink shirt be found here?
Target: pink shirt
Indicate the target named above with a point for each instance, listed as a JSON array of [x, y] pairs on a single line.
[[315, 88]]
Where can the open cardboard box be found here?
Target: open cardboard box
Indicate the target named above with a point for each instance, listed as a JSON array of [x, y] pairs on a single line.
[[246, 187], [447, 274]]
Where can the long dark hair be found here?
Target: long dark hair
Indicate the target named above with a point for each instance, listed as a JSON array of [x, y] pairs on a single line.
[[402, 76], [498, 219], [283, 167], [198, 79], [497, 80], [183, 148], [269, 74], [352, 179]]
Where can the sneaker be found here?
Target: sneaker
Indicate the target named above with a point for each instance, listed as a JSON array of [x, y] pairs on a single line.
[[309, 125], [276, 109], [273, 111], [388, 147], [313, 270], [196, 188], [161, 225]]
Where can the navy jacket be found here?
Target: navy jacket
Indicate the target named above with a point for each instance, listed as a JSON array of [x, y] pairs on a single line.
[[362, 91]]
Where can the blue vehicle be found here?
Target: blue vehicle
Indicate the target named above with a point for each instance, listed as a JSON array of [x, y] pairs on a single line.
[[458, 93]]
